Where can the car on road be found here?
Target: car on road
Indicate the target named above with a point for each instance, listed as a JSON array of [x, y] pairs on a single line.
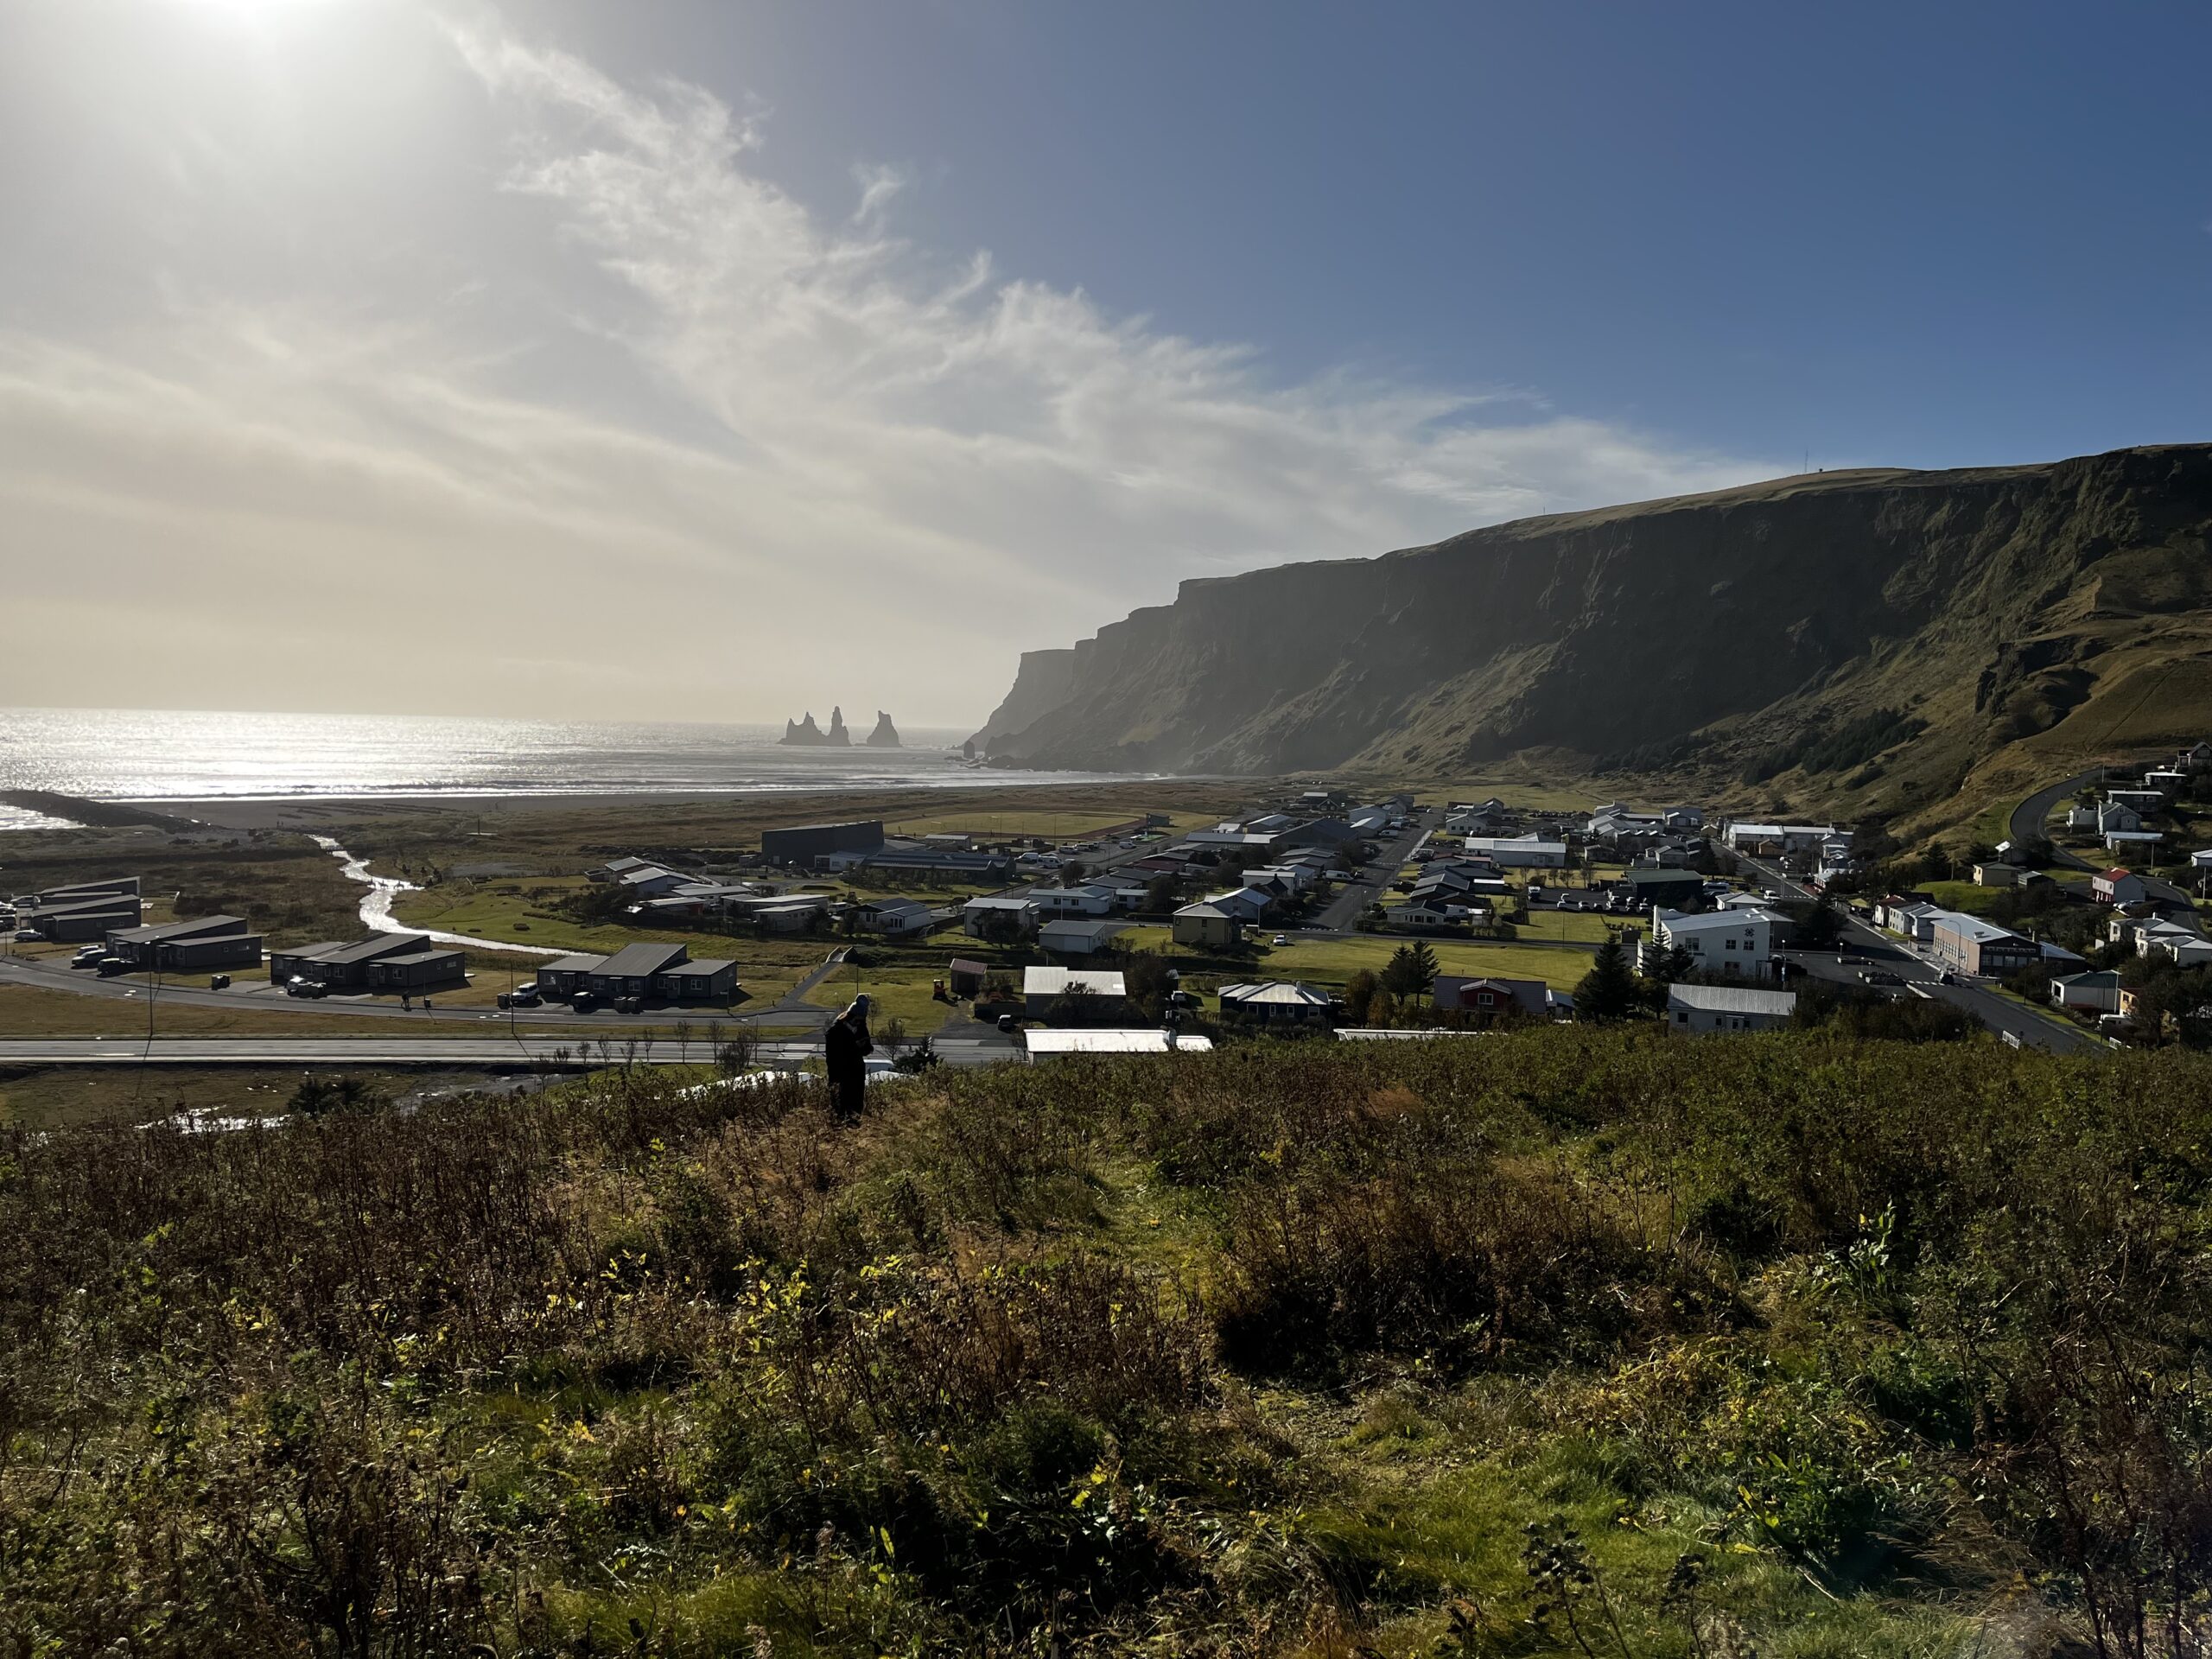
[[1947, 977], [1770, 895], [1879, 976], [1851, 962]]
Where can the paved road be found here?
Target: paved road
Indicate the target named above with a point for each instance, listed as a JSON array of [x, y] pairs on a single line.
[[456, 1052], [2032, 1028], [2029, 816], [1368, 883], [367, 1051]]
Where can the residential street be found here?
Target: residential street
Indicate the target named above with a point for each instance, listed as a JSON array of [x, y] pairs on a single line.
[[1376, 878], [2029, 816], [1999, 1015]]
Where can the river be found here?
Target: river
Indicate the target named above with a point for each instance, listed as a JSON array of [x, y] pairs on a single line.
[[376, 906]]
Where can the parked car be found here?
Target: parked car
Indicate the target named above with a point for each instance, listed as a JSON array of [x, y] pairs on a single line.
[[28, 935], [1282, 938], [110, 966], [307, 990], [527, 988], [219, 982], [525, 999], [583, 1002]]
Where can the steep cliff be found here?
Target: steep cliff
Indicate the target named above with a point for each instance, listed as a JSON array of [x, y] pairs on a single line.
[[1976, 607], [885, 736]]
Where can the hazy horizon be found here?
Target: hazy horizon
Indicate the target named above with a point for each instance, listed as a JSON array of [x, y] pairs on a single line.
[[687, 363]]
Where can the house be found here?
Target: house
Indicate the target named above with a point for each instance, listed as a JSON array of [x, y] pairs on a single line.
[[964, 976], [1275, 1002], [1683, 890], [2196, 757], [1077, 938], [1969, 944], [980, 918], [2167, 782], [706, 979], [1056, 902], [2136, 800], [615, 869], [209, 942], [2081, 818], [1073, 996], [651, 881], [1493, 997], [1321, 832], [2118, 886], [1206, 925], [2201, 861], [1776, 838], [1528, 852], [2142, 841], [895, 919], [1999, 875], [2116, 815], [1734, 942], [1249, 905], [1695, 1009]]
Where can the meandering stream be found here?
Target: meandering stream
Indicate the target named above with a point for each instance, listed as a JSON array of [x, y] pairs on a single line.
[[375, 906]]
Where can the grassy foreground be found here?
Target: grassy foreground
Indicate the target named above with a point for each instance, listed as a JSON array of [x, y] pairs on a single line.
[[1563, 1343]]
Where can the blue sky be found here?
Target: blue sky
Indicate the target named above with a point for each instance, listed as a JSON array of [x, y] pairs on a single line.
[[1003, 318]]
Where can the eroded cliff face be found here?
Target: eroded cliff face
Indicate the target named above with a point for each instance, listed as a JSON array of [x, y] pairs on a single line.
[[1604, 632]]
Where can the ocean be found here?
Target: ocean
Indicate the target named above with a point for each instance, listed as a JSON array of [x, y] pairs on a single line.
[[115, 754]]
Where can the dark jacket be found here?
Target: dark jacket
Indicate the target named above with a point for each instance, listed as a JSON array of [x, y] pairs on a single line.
[[843, 1047]]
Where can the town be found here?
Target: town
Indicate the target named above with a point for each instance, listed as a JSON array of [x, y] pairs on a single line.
[[1321, 912]]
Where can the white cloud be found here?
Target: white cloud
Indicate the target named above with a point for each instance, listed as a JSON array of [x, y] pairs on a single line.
[[817, 453]]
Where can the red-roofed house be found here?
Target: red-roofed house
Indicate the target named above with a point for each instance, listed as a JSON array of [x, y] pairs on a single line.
[[2118, 886]]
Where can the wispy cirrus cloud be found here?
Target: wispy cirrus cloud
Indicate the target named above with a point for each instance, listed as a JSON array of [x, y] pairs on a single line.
[[728, 453]]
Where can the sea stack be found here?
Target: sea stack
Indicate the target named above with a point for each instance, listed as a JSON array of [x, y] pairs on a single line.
[[805, 735], [885, 736]]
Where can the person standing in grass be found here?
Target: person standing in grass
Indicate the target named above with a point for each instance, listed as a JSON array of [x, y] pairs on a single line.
[[845, 1048]]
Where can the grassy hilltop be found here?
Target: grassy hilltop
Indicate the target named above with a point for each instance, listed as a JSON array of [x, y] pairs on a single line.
[[1570, 1342]]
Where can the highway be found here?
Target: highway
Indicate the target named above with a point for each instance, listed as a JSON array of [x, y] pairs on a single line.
[[2026, 1025]]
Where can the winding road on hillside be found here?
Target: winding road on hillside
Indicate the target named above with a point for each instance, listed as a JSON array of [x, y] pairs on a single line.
[[2029, 816]]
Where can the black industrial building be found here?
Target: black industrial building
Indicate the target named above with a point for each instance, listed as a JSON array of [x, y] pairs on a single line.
[[801, 844], [208, 942], [660, 972], [82, 912], [356, 965]]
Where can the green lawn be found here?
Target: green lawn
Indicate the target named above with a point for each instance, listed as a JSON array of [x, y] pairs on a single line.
[[1331, 962], [1962, 896]]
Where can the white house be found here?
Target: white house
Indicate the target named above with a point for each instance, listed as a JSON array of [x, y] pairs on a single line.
[[1528, 852], [1737, 942], [2124, 841], [1077, 938], [896, 918], [1053, 903], [2096, 993], [1275, 1002], [1248, 904], [1698, 1008], [2117, 887]]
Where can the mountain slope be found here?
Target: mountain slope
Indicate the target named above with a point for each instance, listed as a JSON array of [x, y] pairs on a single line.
[[1978, 607]]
